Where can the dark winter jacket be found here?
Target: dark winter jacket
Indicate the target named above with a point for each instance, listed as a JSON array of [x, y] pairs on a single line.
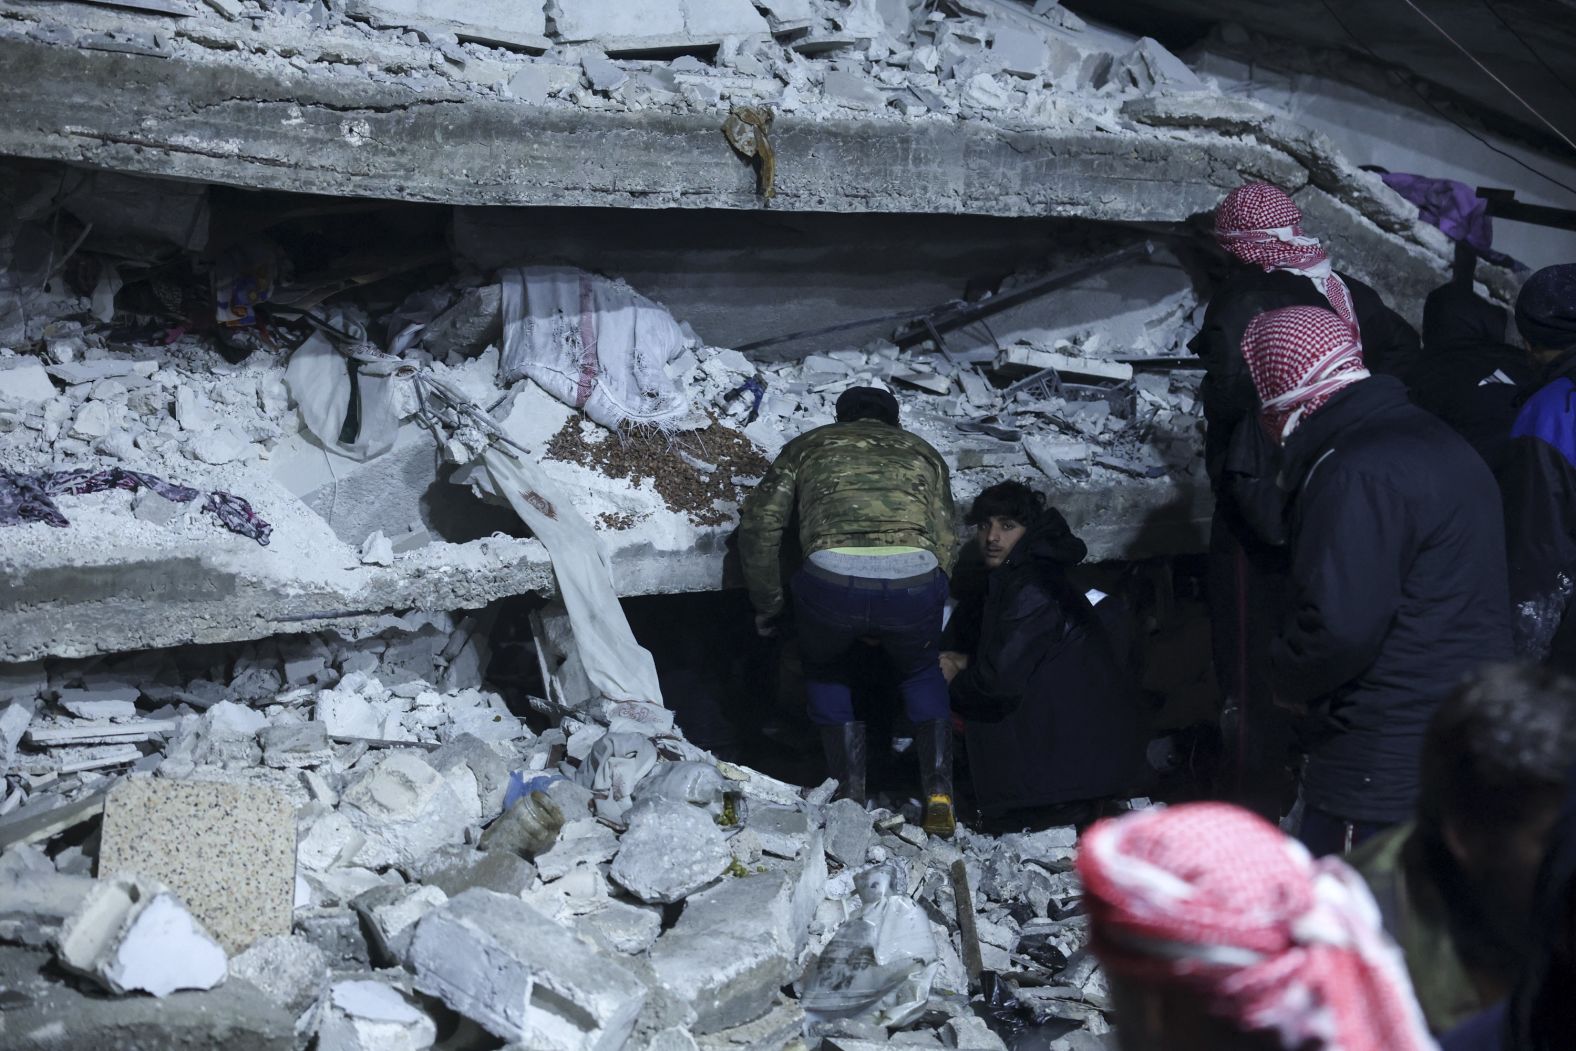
[[1051, 702], [1397, 591], [1541, 1015], [1242, 462], [1538, 481], [1469, 376]]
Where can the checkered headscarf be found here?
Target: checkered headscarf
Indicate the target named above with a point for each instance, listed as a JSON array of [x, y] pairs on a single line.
[[1298, 358], [1212, 899], [1258, 223]]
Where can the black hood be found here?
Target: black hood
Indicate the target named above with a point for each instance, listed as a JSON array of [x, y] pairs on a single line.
[[1455, 316], [1048, 540]]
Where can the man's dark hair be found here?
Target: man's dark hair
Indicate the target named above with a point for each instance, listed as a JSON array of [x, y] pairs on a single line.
[[1500, 744], [1012, 500], [867, 403]]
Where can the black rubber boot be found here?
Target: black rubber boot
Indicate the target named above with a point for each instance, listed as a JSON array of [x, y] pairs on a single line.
[[933, 743], [845, 759]]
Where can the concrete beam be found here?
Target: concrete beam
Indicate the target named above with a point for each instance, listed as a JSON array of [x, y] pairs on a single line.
[[230, 120], [118, 598]]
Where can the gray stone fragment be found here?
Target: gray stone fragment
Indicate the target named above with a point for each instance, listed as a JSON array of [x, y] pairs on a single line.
[[292, 973], [46, 1015], [35, 899], [670, 851], [621, 927], [476, 318], [730, 951], [490, 768], [849, 830], [337, 932], [782, 830], [297, 745], [583, 842], [514, 971], [497, 870], [149, 506], [389, 914], [603, 73]]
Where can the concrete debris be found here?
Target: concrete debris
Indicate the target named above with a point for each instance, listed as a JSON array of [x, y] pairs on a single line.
[[670, 851], [373, 1016], [406, 810], [522, 977], [132, 934], [292, 973]]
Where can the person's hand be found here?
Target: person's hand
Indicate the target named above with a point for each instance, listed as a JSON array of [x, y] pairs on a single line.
[[952, 663], [765, 627]]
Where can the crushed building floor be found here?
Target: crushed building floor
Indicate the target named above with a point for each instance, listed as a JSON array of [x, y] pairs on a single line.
[[300, 745]]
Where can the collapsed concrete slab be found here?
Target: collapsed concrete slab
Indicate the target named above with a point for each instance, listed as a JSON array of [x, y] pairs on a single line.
[[131, 934], [509, 968]]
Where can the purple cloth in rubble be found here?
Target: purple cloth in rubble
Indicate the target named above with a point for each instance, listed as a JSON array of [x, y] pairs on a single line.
[[1455, 208], [30, 497]]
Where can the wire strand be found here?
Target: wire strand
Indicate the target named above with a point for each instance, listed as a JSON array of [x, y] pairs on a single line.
[[1410, 83], [1475, 61], [1528, 45]]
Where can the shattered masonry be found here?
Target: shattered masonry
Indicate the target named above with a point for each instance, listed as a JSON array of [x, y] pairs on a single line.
[[261, 795]]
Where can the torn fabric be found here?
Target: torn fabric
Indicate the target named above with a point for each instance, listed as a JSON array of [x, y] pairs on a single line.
[[30, 498]]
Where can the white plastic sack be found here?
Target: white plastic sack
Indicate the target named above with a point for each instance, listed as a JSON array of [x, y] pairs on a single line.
[[698, 784], [879, 965], [318, 378], [593, 343], [617, 763]]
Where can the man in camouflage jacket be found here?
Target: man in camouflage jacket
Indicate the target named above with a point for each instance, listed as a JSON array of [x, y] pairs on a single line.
[[877, 530]]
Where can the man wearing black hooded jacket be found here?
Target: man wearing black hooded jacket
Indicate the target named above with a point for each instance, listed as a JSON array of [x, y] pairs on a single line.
[[1038, 670]]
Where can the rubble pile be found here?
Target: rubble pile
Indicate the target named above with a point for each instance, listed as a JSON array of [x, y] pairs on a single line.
[[895, 59], [356, 841]]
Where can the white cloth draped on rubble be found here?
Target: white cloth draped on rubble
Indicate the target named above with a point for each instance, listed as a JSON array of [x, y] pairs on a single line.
[[329, 387], [614, 662], [593, 343]]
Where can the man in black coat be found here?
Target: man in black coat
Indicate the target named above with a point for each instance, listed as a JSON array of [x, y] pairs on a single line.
[[1470, 377], [1278, 266], [1397, 570], [1039, 669], [1538, 475]]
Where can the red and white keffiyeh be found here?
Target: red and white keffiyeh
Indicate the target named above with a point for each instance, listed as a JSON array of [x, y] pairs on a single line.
[[1258, 223], [1298, 358], [1210, 898]]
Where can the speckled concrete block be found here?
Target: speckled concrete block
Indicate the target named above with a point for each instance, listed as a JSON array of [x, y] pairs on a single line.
[[228, 851]]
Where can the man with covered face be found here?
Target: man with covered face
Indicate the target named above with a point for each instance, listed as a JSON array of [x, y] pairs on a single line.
[[1397, 577]]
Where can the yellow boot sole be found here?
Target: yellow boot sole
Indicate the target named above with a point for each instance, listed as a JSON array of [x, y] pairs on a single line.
[[940, 820]]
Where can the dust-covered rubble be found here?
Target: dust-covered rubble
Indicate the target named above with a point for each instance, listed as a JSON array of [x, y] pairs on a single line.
[[443, 880]]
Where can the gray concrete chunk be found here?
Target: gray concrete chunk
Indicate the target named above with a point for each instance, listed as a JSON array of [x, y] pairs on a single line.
[[518, 974], [848, 832], [670, 851]]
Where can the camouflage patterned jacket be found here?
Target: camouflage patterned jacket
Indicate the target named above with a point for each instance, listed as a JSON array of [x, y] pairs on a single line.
[[859, 484]]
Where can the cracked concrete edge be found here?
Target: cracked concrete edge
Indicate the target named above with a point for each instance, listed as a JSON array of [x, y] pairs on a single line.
[[123, 603]]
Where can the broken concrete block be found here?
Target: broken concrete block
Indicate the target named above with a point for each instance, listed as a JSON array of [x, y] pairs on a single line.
[[501, 22], [461, 868], [337, 933], [132, 934], [603, 74], [488, 766], [46, 1014], [782, 830], [373, 1016], [28, 383], [116, 702], [292, 973], [406, 809], [1019, 50], [377, 550], [730, 951], [849, 829], [14, 721], [853, 90], [390, 912], [582, 842], [670, 851], [518, 974], [35, 899], [619, 926], [297, 745], [227, 850], [618, 26], [149, 506]]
